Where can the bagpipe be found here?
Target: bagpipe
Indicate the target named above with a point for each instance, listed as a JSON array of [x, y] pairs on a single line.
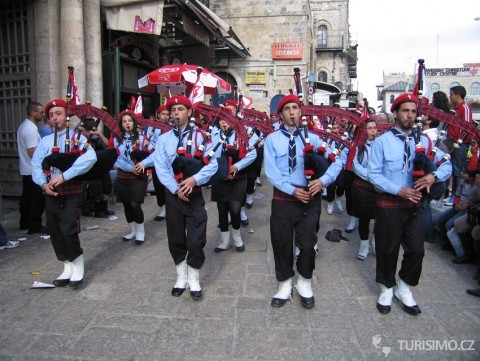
[[106, 158], [186, 165]]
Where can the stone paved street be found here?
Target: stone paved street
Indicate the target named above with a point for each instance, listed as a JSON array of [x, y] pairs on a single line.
[[124, 310]]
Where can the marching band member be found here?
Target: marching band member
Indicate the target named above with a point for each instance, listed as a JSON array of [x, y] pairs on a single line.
[[63, 195], [364, 196], [295, 208], [399, 220], [186, 215], [132, 180], [163, 116], [230, 193]]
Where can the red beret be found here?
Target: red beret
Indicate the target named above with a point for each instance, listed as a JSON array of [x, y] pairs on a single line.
[[179, 99], [230, 102], [404, 98], [126, 111], [273, 114], [161, 108], [55, 103], [288, 99]]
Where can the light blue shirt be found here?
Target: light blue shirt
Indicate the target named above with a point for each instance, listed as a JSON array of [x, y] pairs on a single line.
[[242, 163], [276, 162], [81, 165], [360, 168], [124, 162], [385, 166], [166, 152]]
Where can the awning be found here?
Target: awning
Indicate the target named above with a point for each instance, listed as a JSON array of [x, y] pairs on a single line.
[[330, 88], [217, 27], [144, 17]]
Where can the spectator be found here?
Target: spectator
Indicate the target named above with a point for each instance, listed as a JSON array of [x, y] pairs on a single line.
[[47, 127], [32, 201], [5, 243]]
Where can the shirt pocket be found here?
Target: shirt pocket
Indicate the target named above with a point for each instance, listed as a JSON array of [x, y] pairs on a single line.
[[393, 162]]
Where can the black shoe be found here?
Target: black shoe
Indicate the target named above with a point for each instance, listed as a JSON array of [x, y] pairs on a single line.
[[278, 302], [429, 240], [139, 242], [475, 292], [75, 283], [100, 214], [218, 249], [307, 302], [43, 230], [196, 295], [241, 248], [158, 218], [105, 209], [245, 222], [383, 309], [177, 292], [464, 260], [348, 230], [411, 310], [61, 283], [249, 205]]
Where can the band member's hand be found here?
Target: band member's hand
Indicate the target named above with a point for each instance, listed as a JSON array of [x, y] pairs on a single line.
[[49, 190], [139, 168], [232, 172], [425, 182], [182, 196], [186, 187], [301, 194], [314, 187], [411, 194], [56, 180]]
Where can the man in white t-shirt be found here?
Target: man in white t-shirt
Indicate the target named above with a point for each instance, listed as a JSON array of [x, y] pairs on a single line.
[[32, 201]]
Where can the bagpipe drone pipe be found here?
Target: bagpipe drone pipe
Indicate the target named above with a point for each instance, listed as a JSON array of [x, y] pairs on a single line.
[[326, 116], [425, 163], [106, 158], [185, 165]]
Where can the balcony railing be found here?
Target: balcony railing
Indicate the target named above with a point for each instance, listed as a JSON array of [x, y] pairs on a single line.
[[331, 43]]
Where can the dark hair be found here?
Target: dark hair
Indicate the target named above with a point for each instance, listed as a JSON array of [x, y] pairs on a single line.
[[440, 101], [361, 148], [135, 124], [459, 90], [32, 107], [471, 172]]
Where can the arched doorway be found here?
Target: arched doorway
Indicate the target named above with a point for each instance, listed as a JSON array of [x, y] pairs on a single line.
[[218, 99]]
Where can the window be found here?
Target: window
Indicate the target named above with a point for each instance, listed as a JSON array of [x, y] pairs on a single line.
[[475, 90], [322, 35], [434, 88], [322, 76], [392, 98], [339, 85]]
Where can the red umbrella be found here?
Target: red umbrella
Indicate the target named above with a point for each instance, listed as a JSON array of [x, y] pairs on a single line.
[[182, 76]]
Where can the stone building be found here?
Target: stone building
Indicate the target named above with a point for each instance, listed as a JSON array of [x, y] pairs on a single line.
[[252, 44], [439, 79]]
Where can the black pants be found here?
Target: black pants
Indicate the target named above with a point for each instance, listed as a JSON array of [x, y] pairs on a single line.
[[336, 188], [348, 177], [395, 227], [32, 205], [186, 228], [294, 222], [63, 222], [159, 189]]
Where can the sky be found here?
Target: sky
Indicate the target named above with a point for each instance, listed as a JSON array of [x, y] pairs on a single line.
[[393, 35]]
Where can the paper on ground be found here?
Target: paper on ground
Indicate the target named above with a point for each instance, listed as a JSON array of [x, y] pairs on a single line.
[[37, 284]]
